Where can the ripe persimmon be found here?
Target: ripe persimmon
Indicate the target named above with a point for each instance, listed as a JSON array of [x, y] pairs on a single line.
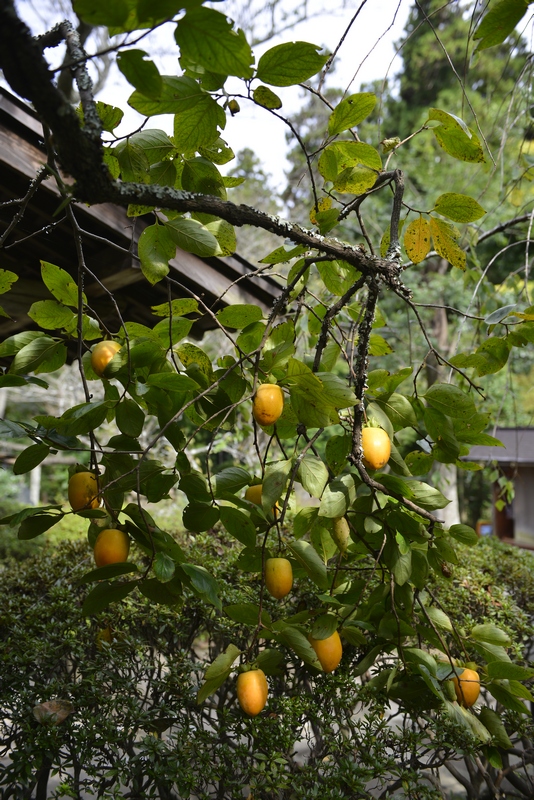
[[467, 687], [111, 547], [252, 691], [254, 493], [268, 403], [83, 491], [278, 577], [328, 651], [101, 355], [376, 446]]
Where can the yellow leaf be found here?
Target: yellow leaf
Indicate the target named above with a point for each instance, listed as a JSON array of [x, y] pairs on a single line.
[[444, 236], [417, 240]]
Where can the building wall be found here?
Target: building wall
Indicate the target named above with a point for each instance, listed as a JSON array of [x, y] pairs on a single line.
[[523, 506]]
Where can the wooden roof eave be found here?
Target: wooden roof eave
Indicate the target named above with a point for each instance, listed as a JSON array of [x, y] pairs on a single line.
[[112, 237]]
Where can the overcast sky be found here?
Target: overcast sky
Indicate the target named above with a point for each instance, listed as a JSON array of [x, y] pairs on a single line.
[[367, 54]]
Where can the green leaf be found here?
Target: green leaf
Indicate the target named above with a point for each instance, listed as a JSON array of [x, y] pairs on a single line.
[[427, 496], [350, 112], [60, 284], [37, 524], [130, 418], [206, 37], [197, 127], [338, 496], [239, 315], [499, 22], [230, 479], [417, 240], [200, 517], [30, 458], [489, 358], [506, 698], [508, 671], [102, 12], [13, 344], [263, 96], [367, 661], [464, 534], [83, 418], [133, 161], [203, 583], [488, 632], [105, 593], [190, 355], [492, 721], [178, 95], [50, 314], [238, 525], [338, 276], [311, 561], [156, 247], [222, 663], [303, 521], [341, 156], [451, 401], [290, 63], [499, 314], [247, 614], [455, 137], [324, 626], [164, 567], [110, 116], [441, 429], [170, 334], [251, 337], [7, 278], [297, 642], [459, 207], [44, 354], [337, 450], [313, 475], [178, 308], [225, 235], [168, 594], [200, 175], [192, 237], [142, 74], [398, 409], [270, 661], [172, 382], [274, 483], [439, 618]]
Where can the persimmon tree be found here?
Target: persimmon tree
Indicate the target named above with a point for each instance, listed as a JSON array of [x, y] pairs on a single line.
[[319, 344]]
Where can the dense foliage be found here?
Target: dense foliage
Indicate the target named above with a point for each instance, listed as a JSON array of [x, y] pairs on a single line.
[[88, 707], [316, 356]]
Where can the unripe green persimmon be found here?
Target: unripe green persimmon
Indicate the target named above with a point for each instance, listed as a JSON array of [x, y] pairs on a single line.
[[341, 533]]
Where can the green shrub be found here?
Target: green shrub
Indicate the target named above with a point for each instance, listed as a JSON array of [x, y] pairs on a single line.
[[136, 722]]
